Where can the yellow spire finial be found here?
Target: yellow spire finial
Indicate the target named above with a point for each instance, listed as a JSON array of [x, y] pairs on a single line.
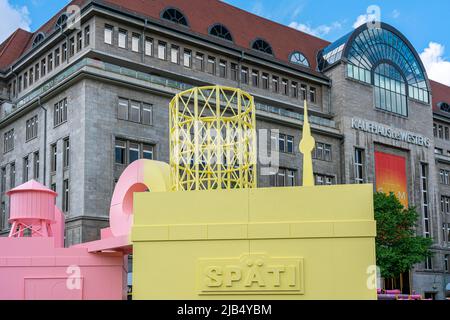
[[307, 145]]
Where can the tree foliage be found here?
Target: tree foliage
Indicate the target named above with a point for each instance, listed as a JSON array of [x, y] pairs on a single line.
[[397, 246]]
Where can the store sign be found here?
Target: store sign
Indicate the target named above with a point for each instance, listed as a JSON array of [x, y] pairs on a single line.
[[390, 132], [251, 274]]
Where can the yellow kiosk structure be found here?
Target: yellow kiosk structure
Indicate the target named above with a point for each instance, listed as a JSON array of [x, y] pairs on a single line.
[[212, 234]]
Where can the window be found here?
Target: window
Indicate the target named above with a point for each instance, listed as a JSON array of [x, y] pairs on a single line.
[[444, 176], [211, 68], [127, 152], [123, 38], [31, 128], [60, 112], [220, 31], [359, 166], [12, 176], [446, 266], [445, 204], [25, 80], [263, 46], [36, 165], [53, 158], [19, 89], [276, 84], [38, 39], [14, 88], [265, 81], [53, 187], [43, 67], [446, 233], [71, 47], [65, 205], [244, 75], [283, 178], [285, 87], [108, 35], [255, 78], [50, 62], [79, 41], [135, 111], [390, 90], [174, 15], [428, 264], [64, 52], [312, 95], [294, 89], [322, 151], [425, 207], [175, 54], [285, 143], [223, 68], [3, 217], [135, 42], [187, 58], [148, 46], [57, 57], [162, 48], [8, 141], [234, 71], [439, 151], [303, 89], [200, 58], [26, 169], [324, 180], [299, 58], [3, 180], [66, 153], [87, 36]]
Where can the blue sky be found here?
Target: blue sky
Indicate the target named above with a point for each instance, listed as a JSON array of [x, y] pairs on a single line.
[[425, 24]]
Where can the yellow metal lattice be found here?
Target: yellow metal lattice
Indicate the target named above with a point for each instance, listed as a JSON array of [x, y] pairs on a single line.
[[212, 139]]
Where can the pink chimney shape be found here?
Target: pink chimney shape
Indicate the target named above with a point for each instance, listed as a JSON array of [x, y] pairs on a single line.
[[32, 208]]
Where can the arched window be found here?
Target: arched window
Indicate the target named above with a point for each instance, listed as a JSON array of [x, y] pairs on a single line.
[[444, 106], [62, 20], [299, 58], [220, 31], [390, 89], [262, 46], [174, 15], [38, 39]]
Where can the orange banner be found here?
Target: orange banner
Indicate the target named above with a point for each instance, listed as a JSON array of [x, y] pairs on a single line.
[[390, 175]]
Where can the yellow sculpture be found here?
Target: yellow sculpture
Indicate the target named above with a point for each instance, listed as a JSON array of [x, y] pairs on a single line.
[[226, 239]]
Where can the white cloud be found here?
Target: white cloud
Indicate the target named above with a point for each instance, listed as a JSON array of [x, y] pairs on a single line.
[[13, 17], [437, 66], [395, 13], [318, 31], [363, 19]]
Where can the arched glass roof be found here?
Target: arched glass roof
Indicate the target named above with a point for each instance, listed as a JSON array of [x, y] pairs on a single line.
[[366, 47]]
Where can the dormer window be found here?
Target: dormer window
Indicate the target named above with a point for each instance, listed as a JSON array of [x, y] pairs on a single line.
[[38, 39], [220, 31], [61, 22], [175, 16], [263, 46]]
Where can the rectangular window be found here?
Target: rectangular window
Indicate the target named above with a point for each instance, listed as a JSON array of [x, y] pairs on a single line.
[[435, 130], [446, 266], [162, 48], [446, 133], [19, 89], [285, 87], [265, 81], [122, 110], [36, 72], [211, 68], [36, 165], [147, 152], [64, 52], [123, 38], [31, 129], [322, 151], [3, 217], [120, 151], [234, 71], [135, 42], [66, 151], [147, 114], [294, 89], [66, 195], [108, 35], [43, 67], [60, 112], [133, 152], [79, 41], [289, 144], [283, 178], [324, 180], [223, 68], [175, 54], [57, 57], [303, 89], [71, 47], [50, 62], [200, 61], [255, 78], [12, 175], [25, 80], [148, 46], [53, 158], [3, 180], [428, 264], [8, 141], [187, 58], [440, 131], [128, 151], [276, 84], [359, 166], [26, 169], [425, 202], [312, 95], [244, 75], [282, 143], [31, 77], [87, 36], [285, 143], [135, 111]]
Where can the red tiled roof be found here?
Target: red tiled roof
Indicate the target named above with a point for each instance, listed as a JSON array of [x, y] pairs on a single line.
[[13, 47], [441, 93]]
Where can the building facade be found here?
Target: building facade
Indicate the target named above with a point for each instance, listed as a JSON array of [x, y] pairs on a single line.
[[88, 93]]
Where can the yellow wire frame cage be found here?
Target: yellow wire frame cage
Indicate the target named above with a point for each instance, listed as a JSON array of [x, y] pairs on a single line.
[[213, 139]]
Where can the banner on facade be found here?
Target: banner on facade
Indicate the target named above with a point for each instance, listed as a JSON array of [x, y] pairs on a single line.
[[390, 175]]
